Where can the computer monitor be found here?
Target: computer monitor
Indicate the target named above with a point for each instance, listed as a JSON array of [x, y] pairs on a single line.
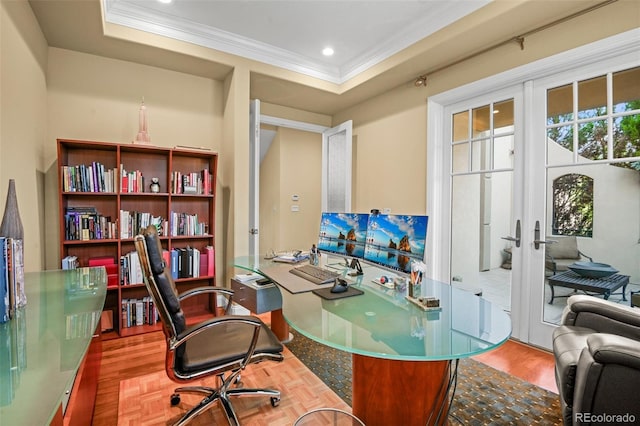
[[393, 241], [343, 234]]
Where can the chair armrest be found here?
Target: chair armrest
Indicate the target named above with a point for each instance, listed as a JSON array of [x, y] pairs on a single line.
[[602, 316], [610, 349], [208, 289], [585, 256]]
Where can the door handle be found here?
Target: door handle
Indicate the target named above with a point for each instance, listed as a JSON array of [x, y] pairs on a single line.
[[536, 235], [515, 239]]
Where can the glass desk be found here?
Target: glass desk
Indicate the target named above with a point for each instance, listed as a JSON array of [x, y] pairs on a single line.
[[404, 359], [41, 349]]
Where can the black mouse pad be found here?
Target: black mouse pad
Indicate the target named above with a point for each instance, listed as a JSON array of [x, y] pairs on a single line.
[[325, 293]]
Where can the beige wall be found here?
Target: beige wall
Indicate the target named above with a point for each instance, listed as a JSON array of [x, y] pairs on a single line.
[[390, 129], [95, 98], [292, 166], [269, 227], [23, 117]]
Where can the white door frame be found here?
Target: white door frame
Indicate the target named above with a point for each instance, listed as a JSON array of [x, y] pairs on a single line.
[[616, 48], [255, 120]]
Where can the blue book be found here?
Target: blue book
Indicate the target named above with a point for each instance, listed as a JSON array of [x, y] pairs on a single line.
[[174, 264], [4, 281]]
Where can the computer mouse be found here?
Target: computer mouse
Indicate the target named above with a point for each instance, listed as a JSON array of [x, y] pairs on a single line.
[[340, 286]]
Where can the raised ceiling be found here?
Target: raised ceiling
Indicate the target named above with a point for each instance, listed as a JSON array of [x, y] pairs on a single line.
[[292, 34], [379, 44]]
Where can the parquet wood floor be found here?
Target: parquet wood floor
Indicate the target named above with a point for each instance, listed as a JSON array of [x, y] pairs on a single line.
[[137, 356]]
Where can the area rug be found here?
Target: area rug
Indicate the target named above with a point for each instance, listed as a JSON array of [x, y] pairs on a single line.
[[484, 395]]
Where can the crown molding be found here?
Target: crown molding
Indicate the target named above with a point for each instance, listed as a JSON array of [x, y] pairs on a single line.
[[144, 19]]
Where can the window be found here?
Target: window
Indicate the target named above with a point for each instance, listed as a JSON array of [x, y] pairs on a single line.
[[573, 205]]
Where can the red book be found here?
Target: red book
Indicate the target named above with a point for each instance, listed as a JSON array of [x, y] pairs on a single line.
[[102, 260], [203, 264], [211, 266]]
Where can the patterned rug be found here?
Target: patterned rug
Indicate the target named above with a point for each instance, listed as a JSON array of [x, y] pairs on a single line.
[[484, 395]]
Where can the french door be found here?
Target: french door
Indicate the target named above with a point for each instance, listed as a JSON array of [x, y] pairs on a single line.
[[574, 171]]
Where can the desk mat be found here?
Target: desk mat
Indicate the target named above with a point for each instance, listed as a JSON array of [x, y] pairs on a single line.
[[325, 293]]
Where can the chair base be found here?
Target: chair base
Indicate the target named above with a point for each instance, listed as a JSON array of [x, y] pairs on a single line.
[[222, 394]]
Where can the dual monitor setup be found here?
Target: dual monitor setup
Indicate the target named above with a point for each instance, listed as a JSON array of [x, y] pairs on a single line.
[[388, 240]]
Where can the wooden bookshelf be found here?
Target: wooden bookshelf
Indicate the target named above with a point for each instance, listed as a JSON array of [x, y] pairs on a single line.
[[93, 213]]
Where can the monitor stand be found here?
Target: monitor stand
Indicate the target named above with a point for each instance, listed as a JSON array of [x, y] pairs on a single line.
[[355, 264]]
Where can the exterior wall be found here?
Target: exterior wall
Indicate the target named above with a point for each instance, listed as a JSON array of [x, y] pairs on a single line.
[[23, 117], [98, 99]]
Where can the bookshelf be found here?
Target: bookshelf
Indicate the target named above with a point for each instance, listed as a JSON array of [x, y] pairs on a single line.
[[105, 197]]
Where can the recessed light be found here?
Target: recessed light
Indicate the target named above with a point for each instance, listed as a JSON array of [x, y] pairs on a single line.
[[165, 1], [327, 51]]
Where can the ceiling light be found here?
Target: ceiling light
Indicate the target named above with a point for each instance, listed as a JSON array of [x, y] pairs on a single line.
[[421, 81], [327, 51], [165, 1]]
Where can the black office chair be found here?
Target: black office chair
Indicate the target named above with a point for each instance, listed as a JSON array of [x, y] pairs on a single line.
[[220, 346]]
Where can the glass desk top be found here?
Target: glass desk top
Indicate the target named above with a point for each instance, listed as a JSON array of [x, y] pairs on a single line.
[[42, 347], [382, 323]]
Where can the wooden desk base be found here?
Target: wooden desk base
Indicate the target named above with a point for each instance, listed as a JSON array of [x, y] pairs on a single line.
[[279, 326], [388, 392]]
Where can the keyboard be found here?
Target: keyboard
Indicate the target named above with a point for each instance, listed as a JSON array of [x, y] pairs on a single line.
[[315, 274]]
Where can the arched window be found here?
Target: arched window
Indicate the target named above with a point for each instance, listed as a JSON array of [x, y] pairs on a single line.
[[573, 205]]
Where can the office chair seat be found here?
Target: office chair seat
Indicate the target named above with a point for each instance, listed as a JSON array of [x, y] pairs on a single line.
[[220, 346]]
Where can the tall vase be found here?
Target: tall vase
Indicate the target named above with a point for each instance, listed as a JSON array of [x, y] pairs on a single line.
[[11, 223]]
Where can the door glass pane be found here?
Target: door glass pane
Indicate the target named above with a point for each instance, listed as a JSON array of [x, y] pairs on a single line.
[[503, 152], [480, 155], [481, 120], [460, 158], [592, 97], [503, 117], [481, 214], [626, 90], [626, 137], [461, 126], [560, 104], [592, 140], [614, 222]]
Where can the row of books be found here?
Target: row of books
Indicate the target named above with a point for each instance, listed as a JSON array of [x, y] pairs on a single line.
[[89, 178], [85, 223], [192, 183], [131, 222], [189, 262], [186, 224], [138, 312], [95, 177], [131, 181], [186, 262], [12, 293]]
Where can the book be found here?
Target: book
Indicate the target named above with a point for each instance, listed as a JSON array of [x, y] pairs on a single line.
[[211, 265], [4, 290], [175, 261]]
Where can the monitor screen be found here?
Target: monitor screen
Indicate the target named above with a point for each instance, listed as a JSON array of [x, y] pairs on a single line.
[[393, 241], [343, 233]]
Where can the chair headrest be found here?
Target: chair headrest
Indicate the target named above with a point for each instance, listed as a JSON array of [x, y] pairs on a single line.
[[154, 249]]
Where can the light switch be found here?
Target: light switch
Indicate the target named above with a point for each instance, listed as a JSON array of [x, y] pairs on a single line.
[[295, 208]]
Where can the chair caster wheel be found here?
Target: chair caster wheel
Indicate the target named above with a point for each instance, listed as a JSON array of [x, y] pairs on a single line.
[[175, 399], [275, 401]]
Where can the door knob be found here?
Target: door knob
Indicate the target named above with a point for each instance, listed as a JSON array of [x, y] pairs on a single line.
[[515, 239], [536, 235]]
